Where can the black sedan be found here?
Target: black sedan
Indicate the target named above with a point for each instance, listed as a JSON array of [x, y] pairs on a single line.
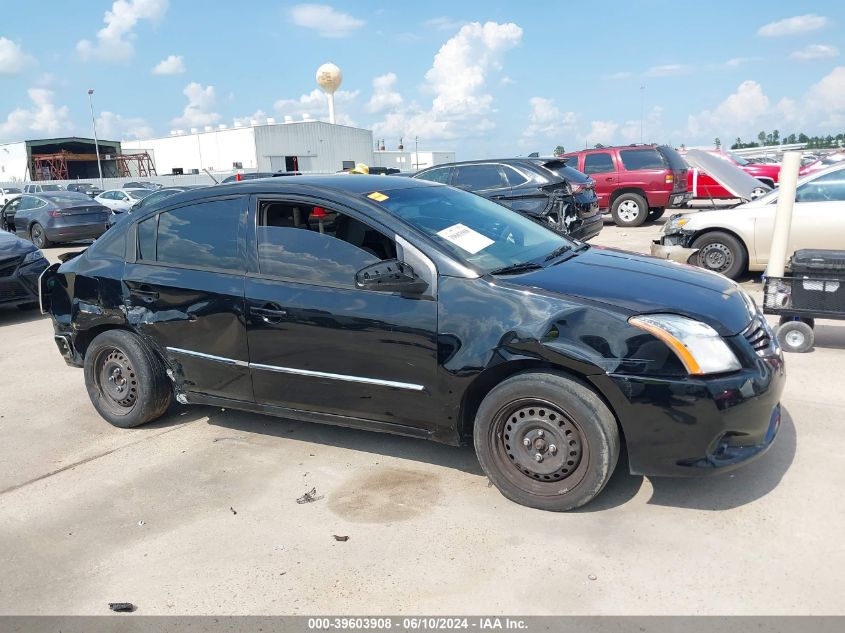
[[403, 306], [20, 265], [543, 189], [51, 218]]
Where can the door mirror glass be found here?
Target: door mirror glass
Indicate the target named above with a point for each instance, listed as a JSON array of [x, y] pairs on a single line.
[[390, 275]]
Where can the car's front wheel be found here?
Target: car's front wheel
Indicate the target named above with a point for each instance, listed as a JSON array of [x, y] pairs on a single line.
[[126, 381], [720, 252], [546, 441]]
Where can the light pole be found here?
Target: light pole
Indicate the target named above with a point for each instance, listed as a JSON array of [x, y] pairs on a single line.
[[642, 112], [96, 143], [417, 151]]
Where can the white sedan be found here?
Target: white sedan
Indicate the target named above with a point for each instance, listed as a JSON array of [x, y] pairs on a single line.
[[121, 200], [732, 241]]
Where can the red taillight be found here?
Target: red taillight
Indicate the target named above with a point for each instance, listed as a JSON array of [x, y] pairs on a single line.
[[670, 178], [54, 213]]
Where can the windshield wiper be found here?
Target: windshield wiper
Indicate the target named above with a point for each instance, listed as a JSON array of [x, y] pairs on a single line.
[[513, 269], [558, 252]]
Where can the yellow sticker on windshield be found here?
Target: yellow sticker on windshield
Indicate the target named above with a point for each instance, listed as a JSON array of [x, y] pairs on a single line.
[[378, 196]]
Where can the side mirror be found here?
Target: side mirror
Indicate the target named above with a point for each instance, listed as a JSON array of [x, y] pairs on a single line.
[[390, 275]]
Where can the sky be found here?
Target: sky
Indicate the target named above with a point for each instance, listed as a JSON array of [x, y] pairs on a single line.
[[478, 78]]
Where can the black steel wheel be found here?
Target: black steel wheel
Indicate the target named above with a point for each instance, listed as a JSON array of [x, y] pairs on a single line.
[[38, 237], [546, 441], [126, 381], [721, 253]]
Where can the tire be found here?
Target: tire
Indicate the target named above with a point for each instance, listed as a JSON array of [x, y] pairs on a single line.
[[655, 214], [565, 422], [795, 336], [788, 319], [141, 392], [757, 192], [629, 209], [39, 237], [721, 253]]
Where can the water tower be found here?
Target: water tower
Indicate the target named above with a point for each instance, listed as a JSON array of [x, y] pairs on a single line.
[[329, 78]]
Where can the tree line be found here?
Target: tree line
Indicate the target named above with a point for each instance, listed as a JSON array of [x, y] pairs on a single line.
[[766, 139]]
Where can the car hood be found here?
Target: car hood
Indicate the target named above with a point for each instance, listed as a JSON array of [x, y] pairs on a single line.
[[731, 177], [639, 284], [11, 245]]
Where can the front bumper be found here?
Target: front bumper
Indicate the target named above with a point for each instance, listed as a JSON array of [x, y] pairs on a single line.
[[698, 426], [674, 246]]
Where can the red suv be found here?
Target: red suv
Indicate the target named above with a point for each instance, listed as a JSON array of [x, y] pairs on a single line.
[[635, 182]]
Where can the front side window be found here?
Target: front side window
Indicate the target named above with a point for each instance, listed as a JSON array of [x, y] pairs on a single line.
[[827, 188], [634, 159], [315, 245], [202, 235], [436, 175], [598, 163], [478, 177]]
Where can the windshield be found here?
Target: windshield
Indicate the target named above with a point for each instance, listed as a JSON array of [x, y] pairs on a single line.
[[139, 194], [474, 229], [739, 160]]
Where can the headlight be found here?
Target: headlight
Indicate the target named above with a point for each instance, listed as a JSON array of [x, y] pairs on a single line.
[[675, 223], [698, 346], [32, 256]]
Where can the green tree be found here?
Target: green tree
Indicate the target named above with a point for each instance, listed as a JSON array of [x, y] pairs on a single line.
[[803, 138], [717, 142], [775, 138], [560, 150], [762, 138]]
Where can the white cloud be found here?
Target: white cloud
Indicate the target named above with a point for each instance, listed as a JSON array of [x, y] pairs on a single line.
[[171, 65], [736, 62], [114, 40], [623, 74], [666, 70], [458, 80], [384, 94], [259, 116], [815, 51], [116, 127], [326, 20], [737, 113], [547, 122], [793, 26], [198, 111], [44, 117], [506, 81], [443, 23], [601, 132], [13, 60], [315, 104]]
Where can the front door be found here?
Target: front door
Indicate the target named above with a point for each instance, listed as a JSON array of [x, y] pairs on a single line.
[[600, 167], [485, 179], [185, 293], [318, 343]]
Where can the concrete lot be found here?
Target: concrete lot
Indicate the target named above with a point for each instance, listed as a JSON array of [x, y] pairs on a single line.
[[197, 513]]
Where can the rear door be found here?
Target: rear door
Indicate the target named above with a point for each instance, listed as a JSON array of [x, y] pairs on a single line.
[[601, 167], [184, 292], [818, 218], [485, 179]]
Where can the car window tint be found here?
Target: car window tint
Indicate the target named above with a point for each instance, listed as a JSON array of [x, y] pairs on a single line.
[[513, 176], [436, 175], [598, 163], [827, 188], [314, 245], [147, 239], [202, 235], [634, 159], [476, 177]]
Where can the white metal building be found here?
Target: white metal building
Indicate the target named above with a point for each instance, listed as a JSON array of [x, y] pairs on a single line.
[[307, 146], [405, 160]]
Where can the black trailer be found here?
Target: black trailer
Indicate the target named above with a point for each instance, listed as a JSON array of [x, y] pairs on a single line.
[[813, 288]]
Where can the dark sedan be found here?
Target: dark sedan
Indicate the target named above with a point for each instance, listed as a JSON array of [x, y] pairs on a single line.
[[85, 187], [51, 218], [403, 306], [20, 265], [543, 189]]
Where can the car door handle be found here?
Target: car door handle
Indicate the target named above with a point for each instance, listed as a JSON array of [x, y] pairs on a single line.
[[269, 313], [145, 293]]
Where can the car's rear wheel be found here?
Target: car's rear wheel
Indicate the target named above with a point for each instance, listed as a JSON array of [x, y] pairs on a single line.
[[39, 237], [629, 209], [721, 253], [655, 214], [546, 441], [126, 381]]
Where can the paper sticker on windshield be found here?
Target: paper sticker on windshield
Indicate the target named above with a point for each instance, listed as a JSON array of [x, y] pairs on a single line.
[[465, 238], [378, 196]]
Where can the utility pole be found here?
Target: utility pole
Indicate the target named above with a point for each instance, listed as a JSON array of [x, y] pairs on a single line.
[[96, 143], [642, 113], [417, 152]]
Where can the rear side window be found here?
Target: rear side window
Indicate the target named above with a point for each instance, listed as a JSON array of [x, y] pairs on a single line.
[[513, 176], [634, 159], [202, 235], [600, 163], [436, 175], [476, 177], [675, 160]]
